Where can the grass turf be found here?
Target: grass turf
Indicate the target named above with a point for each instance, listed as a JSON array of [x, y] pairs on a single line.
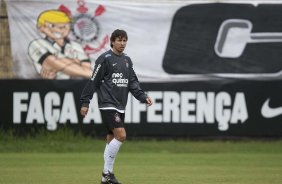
[[68, 159], [140, 168]]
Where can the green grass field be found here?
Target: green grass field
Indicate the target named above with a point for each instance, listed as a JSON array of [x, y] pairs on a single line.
[[69, 159]]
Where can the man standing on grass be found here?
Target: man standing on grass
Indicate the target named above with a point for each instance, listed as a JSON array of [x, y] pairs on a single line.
[[113, 78]]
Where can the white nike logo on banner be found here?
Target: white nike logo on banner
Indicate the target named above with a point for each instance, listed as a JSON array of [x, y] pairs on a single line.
[[270, 112]]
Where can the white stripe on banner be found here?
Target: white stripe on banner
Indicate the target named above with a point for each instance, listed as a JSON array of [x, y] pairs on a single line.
[[147, 24]]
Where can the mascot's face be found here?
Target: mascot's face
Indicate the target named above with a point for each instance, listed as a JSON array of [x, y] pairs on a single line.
[[55, 31]]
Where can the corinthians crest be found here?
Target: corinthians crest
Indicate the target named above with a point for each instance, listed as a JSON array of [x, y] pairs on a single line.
[[117, 118], [85, 27]]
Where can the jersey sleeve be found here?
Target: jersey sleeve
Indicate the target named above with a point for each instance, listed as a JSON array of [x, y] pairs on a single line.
[[94, 82], [38, 50], [134, 85], [79, 52]]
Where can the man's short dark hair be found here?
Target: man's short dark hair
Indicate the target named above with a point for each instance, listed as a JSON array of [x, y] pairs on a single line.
[[118, 34]]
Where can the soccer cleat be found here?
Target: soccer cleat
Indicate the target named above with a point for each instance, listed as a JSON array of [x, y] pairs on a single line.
[[110, 178]]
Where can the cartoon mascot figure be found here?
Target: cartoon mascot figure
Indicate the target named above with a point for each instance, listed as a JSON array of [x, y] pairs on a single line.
[[54, 55]]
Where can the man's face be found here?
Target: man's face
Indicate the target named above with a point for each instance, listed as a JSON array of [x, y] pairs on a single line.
[[119, 44], [55, 31]]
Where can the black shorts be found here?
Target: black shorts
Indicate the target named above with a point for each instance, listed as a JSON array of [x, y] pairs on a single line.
[[112, 119]]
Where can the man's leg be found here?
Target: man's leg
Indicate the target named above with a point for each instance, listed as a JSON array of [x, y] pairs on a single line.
[[114, 143], [109, 138], [115, 138]]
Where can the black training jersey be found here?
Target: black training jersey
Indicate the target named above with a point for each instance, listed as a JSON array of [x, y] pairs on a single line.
[[113, 77]]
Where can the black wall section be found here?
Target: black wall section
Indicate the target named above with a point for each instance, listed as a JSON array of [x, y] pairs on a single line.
[[212, 108]]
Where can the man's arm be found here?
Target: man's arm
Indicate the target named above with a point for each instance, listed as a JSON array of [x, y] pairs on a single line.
[[92, 85], [135, 89]]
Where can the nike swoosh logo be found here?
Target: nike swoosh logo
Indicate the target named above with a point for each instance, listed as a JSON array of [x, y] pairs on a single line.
[[270, 112]]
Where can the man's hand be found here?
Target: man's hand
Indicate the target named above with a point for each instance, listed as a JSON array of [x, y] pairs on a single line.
[[149, 101], [83, 111]]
